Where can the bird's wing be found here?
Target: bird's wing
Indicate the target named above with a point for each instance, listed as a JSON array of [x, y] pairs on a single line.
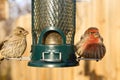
[[81, 42], [101, 38], [2, 44]]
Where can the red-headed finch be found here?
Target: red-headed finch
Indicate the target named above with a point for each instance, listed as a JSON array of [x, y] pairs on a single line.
[[91, 44], [15, 45]]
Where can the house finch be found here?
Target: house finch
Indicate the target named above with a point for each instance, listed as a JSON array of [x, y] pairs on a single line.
[[15, 45], [91, 44]]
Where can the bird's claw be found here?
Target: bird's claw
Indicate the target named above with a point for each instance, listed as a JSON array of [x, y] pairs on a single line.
[[20, 58], [78, 59]]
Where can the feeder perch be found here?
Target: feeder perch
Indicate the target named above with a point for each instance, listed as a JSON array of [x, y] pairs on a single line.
[[53, 29]]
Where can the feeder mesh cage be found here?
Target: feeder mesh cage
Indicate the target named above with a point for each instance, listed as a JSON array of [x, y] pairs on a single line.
[[53, 13]]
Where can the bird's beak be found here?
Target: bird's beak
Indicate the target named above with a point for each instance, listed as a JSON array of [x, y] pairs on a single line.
[[96, 35], [26, 33]]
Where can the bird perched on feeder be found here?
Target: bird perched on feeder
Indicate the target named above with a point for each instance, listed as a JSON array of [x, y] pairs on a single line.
[[15, 45], [91, 44]]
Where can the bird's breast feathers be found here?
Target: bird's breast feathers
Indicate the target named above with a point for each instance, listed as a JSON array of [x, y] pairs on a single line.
[[14, 48]]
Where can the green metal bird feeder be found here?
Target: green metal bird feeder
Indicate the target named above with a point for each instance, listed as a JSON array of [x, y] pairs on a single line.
[[53, 29]]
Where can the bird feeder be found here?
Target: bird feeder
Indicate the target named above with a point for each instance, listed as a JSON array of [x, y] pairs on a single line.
[[53, 29]]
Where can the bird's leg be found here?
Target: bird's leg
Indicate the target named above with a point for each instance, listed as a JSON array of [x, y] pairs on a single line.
[[97, 60], [78, 58], [7, 58], [20, 58]]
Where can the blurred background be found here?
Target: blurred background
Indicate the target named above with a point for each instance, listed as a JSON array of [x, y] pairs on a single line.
[[104, 14]]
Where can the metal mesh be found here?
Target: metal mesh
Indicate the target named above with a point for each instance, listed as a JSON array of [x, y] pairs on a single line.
[[55, 13]]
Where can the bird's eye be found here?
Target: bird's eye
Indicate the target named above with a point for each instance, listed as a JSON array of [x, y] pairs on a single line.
[[20, 31], [92, 32]]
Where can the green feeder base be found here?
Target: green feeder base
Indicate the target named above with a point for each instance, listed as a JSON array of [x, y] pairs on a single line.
[[53, 56], [52, 64]]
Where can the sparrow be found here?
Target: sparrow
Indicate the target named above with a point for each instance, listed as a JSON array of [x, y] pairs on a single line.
[[15, 45]]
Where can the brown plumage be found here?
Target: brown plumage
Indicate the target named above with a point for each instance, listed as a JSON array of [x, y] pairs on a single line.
[[15, 45], [91, 44]]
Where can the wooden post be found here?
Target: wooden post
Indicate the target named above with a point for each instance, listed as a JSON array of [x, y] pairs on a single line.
[[3, 9]]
